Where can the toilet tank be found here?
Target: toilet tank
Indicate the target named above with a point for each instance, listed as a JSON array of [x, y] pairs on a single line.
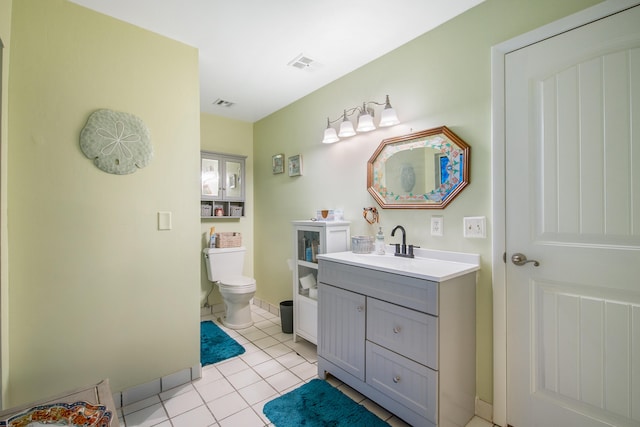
[[223, 262]]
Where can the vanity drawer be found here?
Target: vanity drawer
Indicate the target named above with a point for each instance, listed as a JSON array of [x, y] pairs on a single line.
[[409, 383], [404, 331], [410, 292]]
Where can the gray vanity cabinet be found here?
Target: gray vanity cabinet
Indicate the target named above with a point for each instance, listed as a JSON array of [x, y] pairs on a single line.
[[406, 343], [342, 331]]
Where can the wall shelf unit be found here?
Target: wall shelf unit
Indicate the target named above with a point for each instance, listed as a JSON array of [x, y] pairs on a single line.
[[222, 185]]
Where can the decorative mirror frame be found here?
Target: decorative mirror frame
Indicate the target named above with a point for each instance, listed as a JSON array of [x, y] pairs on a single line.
[[441, 138]]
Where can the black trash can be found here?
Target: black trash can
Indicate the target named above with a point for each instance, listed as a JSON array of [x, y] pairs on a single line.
[[286, 316]]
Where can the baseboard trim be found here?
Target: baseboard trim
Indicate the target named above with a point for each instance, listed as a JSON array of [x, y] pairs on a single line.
[[156, 386], [273, 309]]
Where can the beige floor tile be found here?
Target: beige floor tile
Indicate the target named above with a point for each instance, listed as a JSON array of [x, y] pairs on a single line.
[[227, 405]]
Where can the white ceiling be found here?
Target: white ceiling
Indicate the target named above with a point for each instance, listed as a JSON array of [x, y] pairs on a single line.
[[245, 46]]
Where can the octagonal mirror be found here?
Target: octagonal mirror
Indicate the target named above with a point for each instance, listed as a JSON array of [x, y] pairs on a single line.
[[421, 170]]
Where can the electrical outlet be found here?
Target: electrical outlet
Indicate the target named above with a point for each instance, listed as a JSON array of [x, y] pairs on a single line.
[[437, 225], [475, 227]]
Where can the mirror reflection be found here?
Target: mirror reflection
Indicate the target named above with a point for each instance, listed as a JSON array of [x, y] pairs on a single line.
[[422, 170], [233, 178], [209, 177]]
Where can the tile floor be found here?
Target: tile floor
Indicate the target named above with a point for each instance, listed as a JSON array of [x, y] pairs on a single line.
[[232, 393]]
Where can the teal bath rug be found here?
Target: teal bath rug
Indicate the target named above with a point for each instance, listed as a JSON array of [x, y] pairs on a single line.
[[319, 404], [216, 345]]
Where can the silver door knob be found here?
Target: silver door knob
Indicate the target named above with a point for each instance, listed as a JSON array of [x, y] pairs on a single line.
[[521, 259]]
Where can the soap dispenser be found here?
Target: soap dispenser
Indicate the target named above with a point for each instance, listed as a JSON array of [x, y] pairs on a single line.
[[380, 242]]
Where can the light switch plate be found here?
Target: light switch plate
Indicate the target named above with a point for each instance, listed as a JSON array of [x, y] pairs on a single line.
[[437, 225], [475, 227], [164, 220]]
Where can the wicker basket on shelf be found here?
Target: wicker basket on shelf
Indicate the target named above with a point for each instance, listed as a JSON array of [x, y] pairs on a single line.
[[205, 210], [228, 240]]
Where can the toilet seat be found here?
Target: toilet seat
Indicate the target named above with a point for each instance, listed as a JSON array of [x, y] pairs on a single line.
[[237, 284]]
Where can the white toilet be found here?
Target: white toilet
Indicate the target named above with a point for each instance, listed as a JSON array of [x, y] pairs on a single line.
[[224, 267]]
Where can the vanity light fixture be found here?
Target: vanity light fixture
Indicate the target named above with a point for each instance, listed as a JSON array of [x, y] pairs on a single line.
[[330, 135], [346, 128], [365, 121]]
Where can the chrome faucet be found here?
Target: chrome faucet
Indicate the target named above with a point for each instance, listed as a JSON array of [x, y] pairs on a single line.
[[401, 250]]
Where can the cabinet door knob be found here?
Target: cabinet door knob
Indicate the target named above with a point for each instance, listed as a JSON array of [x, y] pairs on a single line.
[[396, 379], [396, 330], [360, 308]]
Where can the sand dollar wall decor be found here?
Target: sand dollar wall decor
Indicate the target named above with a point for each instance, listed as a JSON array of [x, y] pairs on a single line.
[[117, 142]]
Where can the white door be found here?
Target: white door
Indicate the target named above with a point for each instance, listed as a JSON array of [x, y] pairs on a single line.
[[573, 204]]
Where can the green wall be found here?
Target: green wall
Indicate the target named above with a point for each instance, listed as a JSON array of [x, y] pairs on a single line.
[[229, 136], [440, 78], [95, 290]]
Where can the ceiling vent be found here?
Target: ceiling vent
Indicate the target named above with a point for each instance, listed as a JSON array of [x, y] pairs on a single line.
[[301, 62], [222, 103]]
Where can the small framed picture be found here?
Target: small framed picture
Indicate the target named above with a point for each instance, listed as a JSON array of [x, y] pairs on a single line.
[[277, 163], [295, 165]]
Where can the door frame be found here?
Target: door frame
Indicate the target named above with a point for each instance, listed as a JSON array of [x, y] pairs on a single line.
[[498, 237], [2, 350]]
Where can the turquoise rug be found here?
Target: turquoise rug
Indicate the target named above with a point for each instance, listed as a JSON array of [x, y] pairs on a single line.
[[319, 404], [216, 345]]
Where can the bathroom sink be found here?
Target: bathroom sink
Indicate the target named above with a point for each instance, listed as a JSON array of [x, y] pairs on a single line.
[[427, 264]]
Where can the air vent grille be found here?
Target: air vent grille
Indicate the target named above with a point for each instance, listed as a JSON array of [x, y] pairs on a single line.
[[301, 62], [222, 103]]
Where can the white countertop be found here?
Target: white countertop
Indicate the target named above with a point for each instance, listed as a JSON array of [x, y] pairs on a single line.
[[428, 264]]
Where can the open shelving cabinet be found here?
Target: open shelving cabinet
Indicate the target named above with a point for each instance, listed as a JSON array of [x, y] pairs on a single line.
[[311, 238]]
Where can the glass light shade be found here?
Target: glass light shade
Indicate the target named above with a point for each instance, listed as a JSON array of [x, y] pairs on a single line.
[[389, 117], [365, 123], [346, 129], [330, 136]]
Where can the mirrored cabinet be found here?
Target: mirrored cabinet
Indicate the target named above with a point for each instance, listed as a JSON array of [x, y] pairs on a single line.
[[311, 238], [222, 185]]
